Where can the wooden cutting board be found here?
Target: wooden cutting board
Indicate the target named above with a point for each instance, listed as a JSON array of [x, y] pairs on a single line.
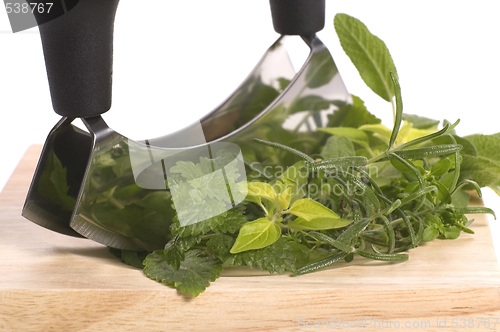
[[50, 282]]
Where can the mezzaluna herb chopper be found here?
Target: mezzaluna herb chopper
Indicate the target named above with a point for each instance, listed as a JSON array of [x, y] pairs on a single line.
[[125, 193]]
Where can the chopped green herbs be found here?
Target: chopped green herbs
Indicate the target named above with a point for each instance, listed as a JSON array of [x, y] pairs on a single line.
[[362, 190]]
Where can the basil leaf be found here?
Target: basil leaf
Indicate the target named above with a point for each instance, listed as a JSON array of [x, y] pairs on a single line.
[[318, 224], [256, 234], [309, 209], [368, 53]]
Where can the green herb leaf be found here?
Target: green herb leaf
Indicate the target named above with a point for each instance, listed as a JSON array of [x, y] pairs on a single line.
[[309, 209], [277, 257], [284, 198], [177, 247], [261, 190], [368, 53], [399, 110], [196, 271], [338, 164], [337, 147], [352, 115], [426, 152], [474, 209], [318, 223], [430, 234], [441, 167], [355, 135], [227, 222], [420, 122], [482, 170], [220, 245], [256, 234], [383, 257]]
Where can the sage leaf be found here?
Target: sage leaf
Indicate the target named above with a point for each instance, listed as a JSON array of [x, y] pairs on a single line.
[[482, 170], [256, 234], [368, 53]]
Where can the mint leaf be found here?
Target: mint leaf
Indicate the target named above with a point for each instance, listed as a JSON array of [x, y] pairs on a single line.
[[256, 234], [177, 247], [220, 245], [194, 275], [201, 227], [233, 221], [227, 222], [338, 146], [277, 257], [368, 53]]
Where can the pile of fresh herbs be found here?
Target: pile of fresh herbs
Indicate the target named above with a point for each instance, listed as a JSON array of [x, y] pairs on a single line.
[[369, 191]]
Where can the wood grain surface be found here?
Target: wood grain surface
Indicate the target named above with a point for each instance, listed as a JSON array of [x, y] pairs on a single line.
[[51, 282]]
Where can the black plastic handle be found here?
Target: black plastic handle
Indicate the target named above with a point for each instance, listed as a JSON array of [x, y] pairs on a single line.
[[78, 49], [298, 17]]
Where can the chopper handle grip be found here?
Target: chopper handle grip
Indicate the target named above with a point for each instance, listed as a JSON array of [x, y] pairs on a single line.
[[78, 50], [298, 17]]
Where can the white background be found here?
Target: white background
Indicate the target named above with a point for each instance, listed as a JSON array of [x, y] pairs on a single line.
[[176, 60]]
